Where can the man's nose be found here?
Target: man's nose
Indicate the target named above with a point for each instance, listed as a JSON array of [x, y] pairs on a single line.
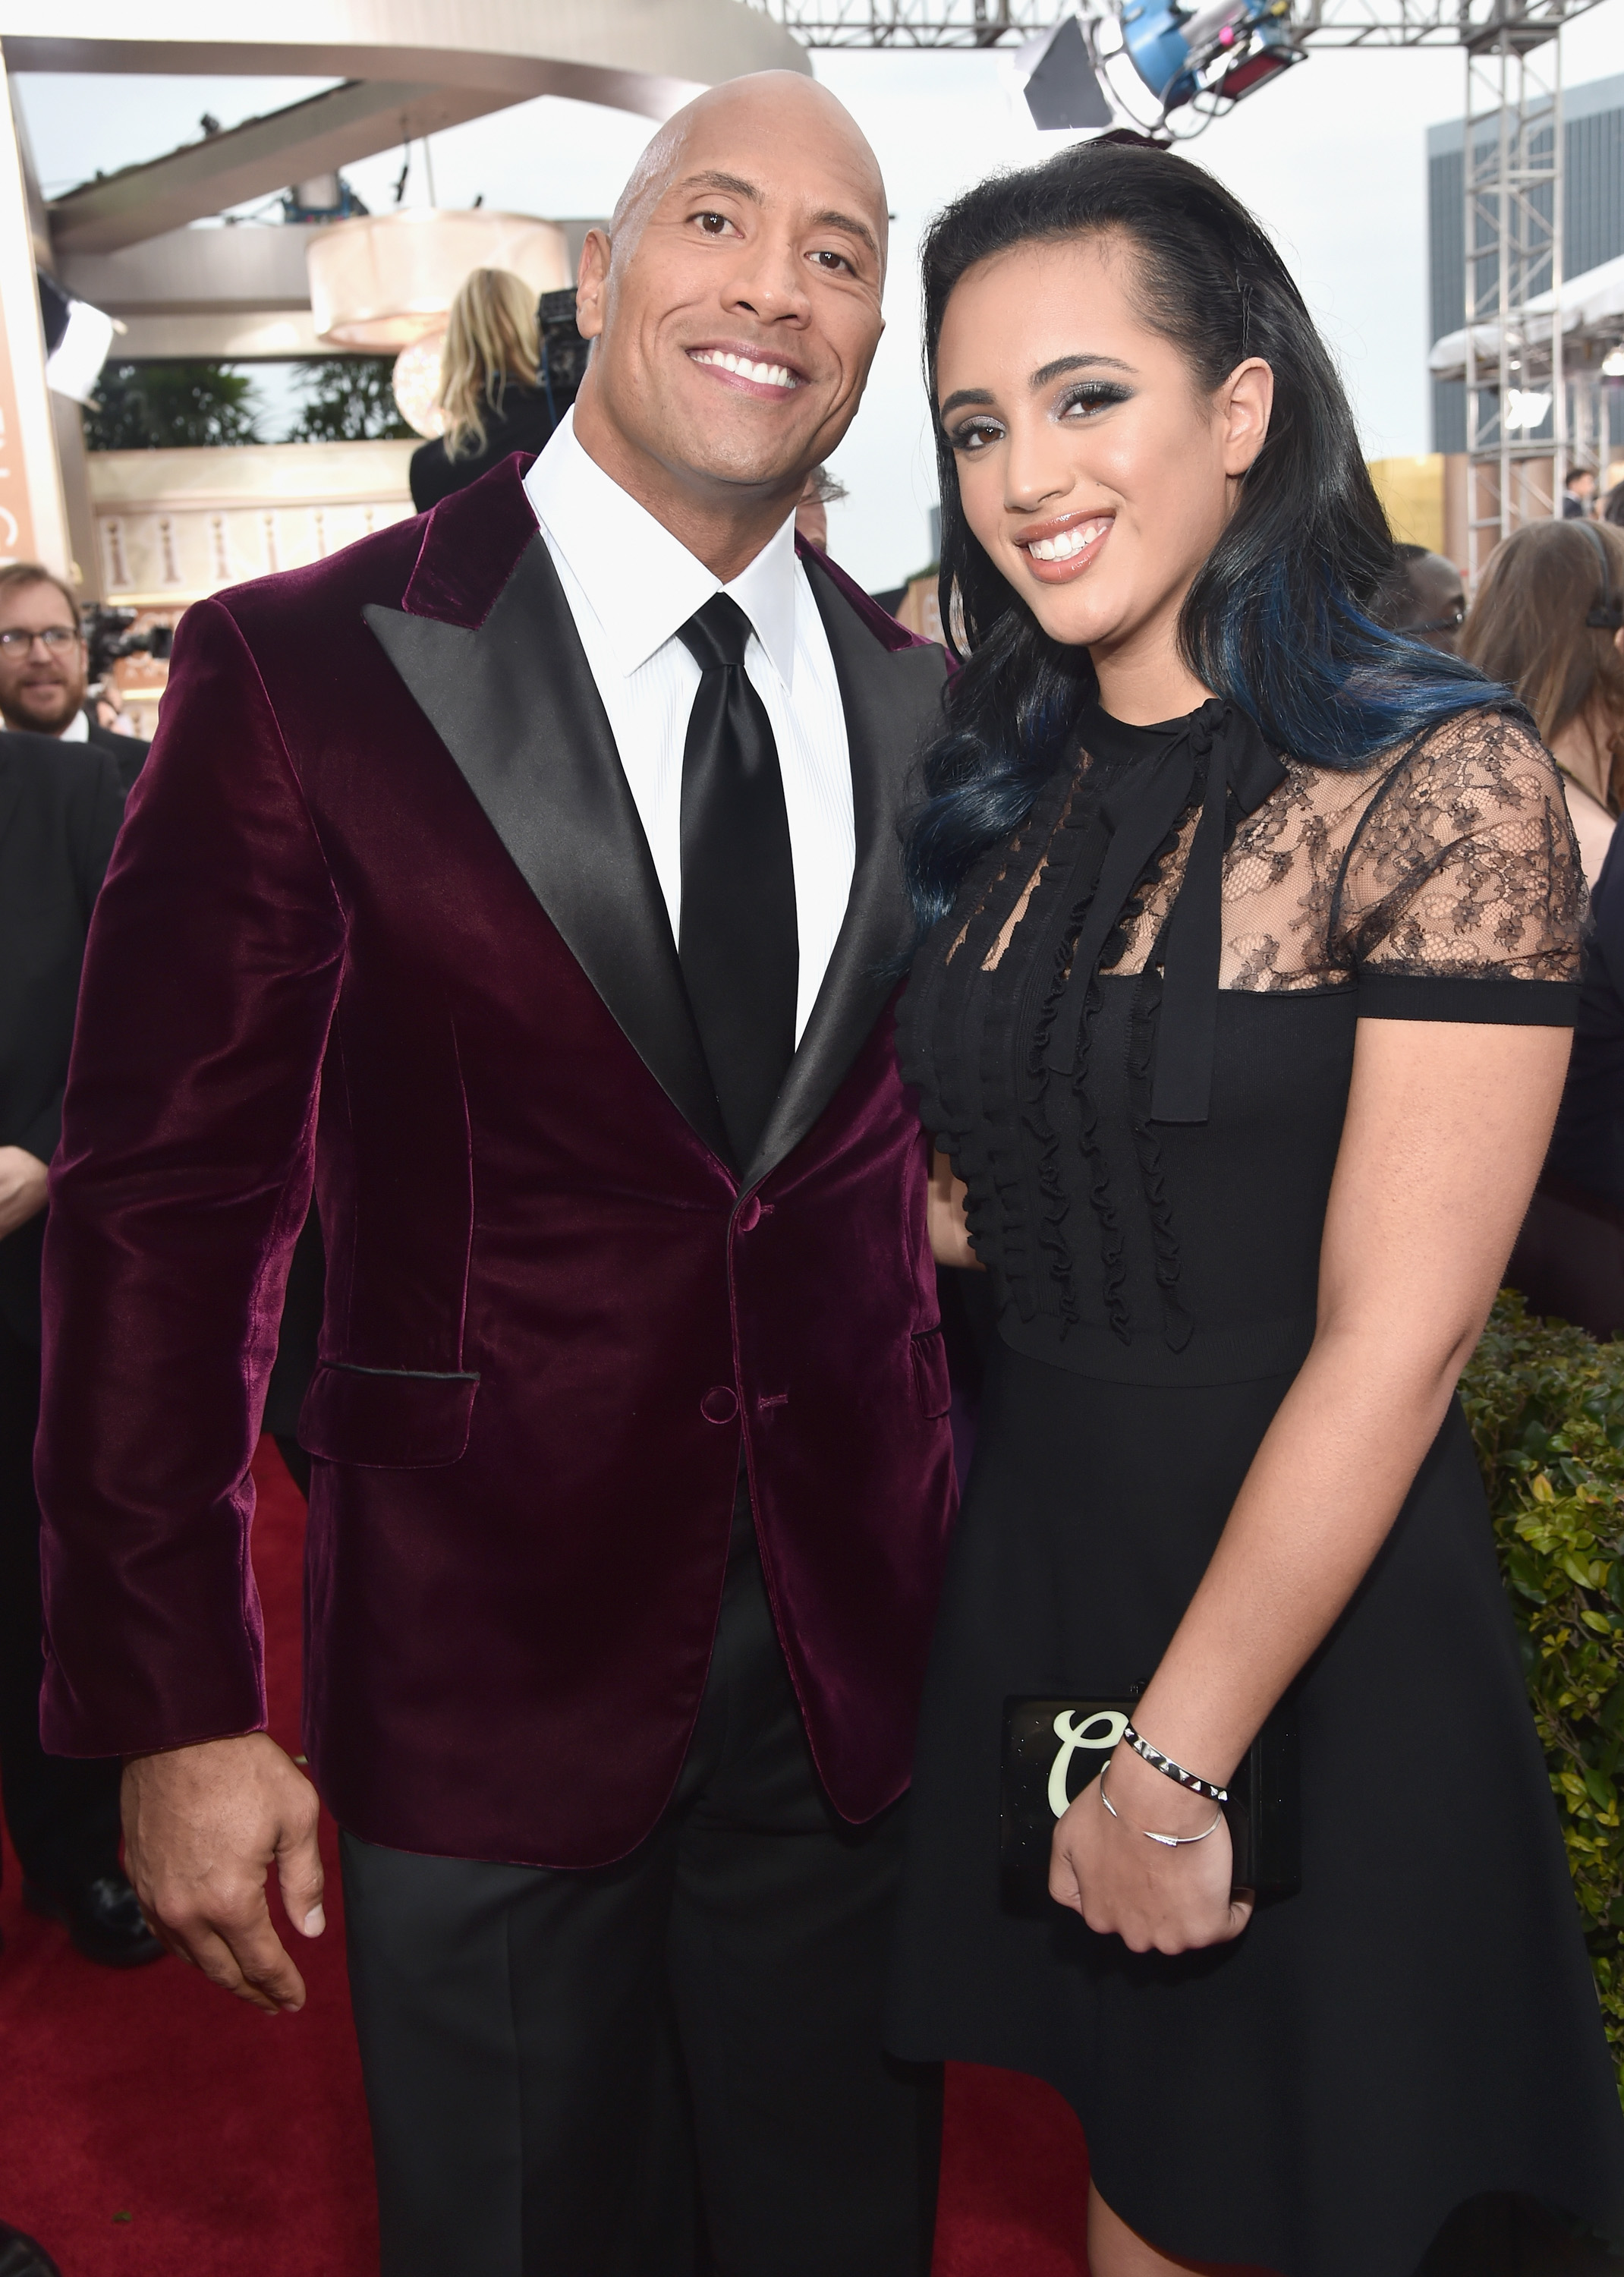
[[768, 283]]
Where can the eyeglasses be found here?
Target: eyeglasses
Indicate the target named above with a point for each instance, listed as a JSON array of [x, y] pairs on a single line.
[[15, 642]]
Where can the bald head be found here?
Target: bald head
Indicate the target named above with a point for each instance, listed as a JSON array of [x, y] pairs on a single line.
[[735, 305], [778, 103]]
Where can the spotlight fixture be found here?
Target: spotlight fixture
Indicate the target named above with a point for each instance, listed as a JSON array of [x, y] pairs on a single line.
[[1225, 50], [1063, 88], [1525, 409]]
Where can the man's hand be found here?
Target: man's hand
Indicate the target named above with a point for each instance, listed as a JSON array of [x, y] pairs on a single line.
[[201, 1827], [22, 1188]]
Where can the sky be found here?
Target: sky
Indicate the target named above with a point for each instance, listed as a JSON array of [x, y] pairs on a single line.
[[1332, 157]]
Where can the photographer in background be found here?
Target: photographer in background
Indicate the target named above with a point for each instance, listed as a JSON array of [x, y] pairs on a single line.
[[45, 666]]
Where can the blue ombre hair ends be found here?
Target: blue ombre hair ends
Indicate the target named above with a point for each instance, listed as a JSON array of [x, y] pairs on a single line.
[[1276, 619]]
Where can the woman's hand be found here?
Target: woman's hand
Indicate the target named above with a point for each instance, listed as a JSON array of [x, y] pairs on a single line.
[[950, 1233], [1156, 1899], [22, 1188]]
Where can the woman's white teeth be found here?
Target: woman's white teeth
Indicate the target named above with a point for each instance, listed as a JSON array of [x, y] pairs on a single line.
[[1069, 541], [765, 374]]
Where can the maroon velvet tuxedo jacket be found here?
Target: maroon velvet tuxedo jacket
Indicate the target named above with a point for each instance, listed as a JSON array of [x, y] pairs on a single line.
[[382, 912]]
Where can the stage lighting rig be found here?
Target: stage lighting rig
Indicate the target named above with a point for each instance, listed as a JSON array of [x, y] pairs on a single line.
[[1198, 61], [1223, 51]]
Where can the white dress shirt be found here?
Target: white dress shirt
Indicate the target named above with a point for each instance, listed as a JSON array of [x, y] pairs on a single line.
[[630, 584], [77, 731]]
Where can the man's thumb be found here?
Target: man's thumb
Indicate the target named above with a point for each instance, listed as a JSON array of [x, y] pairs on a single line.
[[299, 1871]]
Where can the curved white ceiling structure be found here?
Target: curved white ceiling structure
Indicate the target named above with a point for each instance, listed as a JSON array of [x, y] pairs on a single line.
[[410, 67]]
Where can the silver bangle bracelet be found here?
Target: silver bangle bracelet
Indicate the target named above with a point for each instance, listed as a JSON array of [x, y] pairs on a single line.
[[1165, 1764], [1167, 1841]]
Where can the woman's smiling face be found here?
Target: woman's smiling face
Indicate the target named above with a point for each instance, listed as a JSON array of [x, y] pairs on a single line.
[[1093, 469]]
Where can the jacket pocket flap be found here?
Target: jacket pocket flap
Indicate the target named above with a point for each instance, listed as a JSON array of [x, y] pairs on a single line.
[[389, 1418], [931, 1380]]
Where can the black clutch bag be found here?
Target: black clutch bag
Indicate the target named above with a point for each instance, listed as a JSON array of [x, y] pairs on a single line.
[[1053, 1747]]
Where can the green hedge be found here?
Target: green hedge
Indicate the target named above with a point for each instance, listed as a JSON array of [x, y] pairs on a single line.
[[1546, 1406]]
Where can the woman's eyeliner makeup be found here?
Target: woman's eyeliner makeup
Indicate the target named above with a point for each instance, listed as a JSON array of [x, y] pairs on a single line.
[[1088, 394]]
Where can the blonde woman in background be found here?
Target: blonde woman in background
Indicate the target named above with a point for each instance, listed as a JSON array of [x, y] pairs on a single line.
[[1546, 621], [490, 387]]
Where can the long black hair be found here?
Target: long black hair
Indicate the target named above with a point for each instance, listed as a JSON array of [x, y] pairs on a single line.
[[1278, 617]]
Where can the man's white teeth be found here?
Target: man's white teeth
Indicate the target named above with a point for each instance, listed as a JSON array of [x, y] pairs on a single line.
[[1069, 541], [764, 375]]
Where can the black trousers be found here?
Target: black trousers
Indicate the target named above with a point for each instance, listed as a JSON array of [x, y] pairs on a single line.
[[661, 2067], [63, 1814]]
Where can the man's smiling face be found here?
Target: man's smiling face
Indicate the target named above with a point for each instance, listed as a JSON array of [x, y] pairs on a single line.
[[737, 314]]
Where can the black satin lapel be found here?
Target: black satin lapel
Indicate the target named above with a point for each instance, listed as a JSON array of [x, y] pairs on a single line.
[[515, 705], [890, 700]]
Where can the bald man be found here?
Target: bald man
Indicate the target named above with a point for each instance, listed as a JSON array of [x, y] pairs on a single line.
[[525, 878]]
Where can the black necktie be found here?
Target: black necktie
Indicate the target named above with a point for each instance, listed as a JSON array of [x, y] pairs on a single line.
[[740, 946]]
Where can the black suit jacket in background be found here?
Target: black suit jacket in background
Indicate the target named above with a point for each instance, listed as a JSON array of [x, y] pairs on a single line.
[[125, 751], [60, 808]]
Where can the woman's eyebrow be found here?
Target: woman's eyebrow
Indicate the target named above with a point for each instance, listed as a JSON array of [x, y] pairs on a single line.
[[1042, 377], [965, 395]]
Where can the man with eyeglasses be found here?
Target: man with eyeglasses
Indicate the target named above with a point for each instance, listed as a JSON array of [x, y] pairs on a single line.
[[45, 666], [62, 786]]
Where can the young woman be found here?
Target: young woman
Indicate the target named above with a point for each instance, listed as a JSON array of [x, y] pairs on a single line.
[[1548, 621], [1241, 1019]]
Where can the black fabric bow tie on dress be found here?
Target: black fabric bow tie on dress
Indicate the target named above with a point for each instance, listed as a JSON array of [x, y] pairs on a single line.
[[739, 945], [1220, 764]]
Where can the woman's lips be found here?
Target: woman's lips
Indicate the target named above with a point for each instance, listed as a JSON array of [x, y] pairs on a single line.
[[1055, 556]]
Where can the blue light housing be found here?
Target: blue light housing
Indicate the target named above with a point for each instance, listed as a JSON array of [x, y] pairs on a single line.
[[1223, 47], [1159, 50]]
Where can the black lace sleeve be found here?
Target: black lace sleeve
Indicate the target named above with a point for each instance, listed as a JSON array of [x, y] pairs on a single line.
[[1460, 896]]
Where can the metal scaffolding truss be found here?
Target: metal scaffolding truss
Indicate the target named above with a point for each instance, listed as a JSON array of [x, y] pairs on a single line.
[[911, 23], [1317, 23], [1517, 396]]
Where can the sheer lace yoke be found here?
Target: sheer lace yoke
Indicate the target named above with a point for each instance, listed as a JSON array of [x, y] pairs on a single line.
[[1090, 1033], [1451, 857]]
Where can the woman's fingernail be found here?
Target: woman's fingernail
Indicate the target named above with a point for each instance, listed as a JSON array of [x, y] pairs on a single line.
[[315, 1922]]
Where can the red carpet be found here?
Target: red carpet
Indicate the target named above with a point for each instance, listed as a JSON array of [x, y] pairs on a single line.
[[151, 2127]]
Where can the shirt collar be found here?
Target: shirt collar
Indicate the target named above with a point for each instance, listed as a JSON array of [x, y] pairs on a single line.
[[641, 582], [77, 731]]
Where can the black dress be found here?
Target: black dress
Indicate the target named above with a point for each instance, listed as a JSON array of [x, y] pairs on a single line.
[[1143, 1080]]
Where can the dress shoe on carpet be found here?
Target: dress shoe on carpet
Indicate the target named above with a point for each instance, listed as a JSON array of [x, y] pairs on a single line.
[[23, 2257], [103, 1918]]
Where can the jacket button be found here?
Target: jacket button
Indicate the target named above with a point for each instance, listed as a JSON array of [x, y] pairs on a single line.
[[749, 1215], [720, 1405]]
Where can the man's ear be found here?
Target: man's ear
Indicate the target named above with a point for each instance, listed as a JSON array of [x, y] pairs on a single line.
[[592, 283], [1245, 401]]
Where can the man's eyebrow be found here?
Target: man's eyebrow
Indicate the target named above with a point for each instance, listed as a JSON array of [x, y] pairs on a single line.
[[857, 229], [1042, 377], [713, 180], [963, 396]]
